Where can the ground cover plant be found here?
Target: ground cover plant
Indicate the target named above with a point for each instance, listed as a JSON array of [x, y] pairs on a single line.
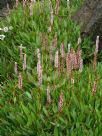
[[45, 89]]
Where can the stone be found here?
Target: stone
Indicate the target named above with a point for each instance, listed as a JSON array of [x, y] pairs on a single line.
[[3, 7], [3, 3], [89, 17]]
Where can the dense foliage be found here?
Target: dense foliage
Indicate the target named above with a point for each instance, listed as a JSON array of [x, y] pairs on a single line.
[[25, 111], [28, 30]]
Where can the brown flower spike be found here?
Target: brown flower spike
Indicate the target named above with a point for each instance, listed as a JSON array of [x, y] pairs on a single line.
[[20, 79]]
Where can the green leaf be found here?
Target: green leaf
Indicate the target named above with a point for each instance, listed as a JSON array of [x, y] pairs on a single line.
[[28, 95], [25, 109], [55, 131], [45, 111]]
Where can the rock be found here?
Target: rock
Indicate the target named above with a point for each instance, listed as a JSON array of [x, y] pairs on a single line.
[[3, 3], [3, 7], [89, 17]]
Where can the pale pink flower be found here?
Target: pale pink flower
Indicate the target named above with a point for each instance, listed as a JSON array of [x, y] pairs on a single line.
[[51, 9], [39, 67], [16, 3], [21, 51], [49, 29], [24, 3], [62, 50], [31, 8], [57, 7], [68, 3], [20, 79], [39, 62], [15, 68], [75, 61], [51, 14], [95, 84], [69, 46], [79, 40], [72, 80], [24, 62], [60, 103], [94, 87], [97, 44], [21, 54], [81, 65], [72, 57], [56, 59], [33, 1], [68, 63], [48, 95], [38, 54], [54, 42], [39, 70], [59, 67], [79, 53], [51, 19], [8, 8], [95, 60], [51, 56]]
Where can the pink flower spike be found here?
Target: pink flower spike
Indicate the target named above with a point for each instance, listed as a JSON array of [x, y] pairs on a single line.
[[24, 63], [79, 40], [21, 51], [48, 95], [31, 8], [33, 1], [81, 65], [51, 13], [60, 103], [51, 9], [15, 68], [8, 8], [62, 50], [39, 70], [39, 67], [68, 63], [51, 56], [20, 85], [97, 44], [16, 3], [57, 7], [56, 59], [24, 3]]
